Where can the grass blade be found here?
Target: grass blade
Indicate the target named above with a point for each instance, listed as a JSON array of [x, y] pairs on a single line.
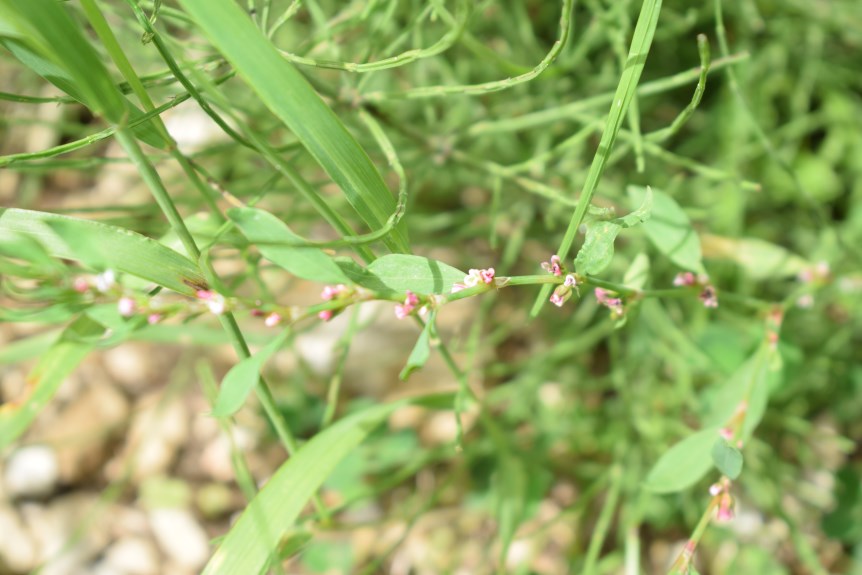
[[641, 42], [290, 97], [255, 536], [104, 246]]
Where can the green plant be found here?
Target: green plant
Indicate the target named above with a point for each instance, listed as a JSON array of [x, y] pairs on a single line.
[[732, 197]]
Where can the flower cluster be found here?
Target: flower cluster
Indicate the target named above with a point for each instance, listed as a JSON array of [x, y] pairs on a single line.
[[405, 309], [214, 301], [563, 292], [610, 301], [474, 278], [329, 293], [708, 295]]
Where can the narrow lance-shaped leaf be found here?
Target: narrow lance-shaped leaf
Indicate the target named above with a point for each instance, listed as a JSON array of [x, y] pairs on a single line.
[[420, 275], [421, 351], [683, 464], [255, 537], [289, 96], [104, 247], [670, 230], [267, 231], [242, 378], [760, 259], [42, 35]]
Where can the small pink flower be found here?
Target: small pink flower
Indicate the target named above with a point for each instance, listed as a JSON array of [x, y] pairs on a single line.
[[684, 279], [126, 306], [715, 489], [571, 281], [272, 320], [709, 297], [724, 513], [80, 285], [458, 287], [726, 433], [154, 318], [332, 292], [411, 299], [561, 295], [402, 311], [487, 275], [325, 315], [603, 297], [553, 266], [204, 294]]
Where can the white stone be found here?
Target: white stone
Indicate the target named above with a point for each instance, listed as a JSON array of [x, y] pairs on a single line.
[[133, 556], [32, 472], [17, 550], [180, 536]]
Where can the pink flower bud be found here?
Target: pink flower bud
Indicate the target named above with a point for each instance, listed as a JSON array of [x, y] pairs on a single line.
[[561, 295], [684, 279], [154, 318], [411, 299], [204, 294], [571, 281], [726, 433], [331, 292], [724, 513], [126, 306], [325, 315], [80, 285], [402, 311], [709, 297], [487, 275], [553, 266], [272, 320]]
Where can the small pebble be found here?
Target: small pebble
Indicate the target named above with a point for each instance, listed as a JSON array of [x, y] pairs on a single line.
[[32, 472]]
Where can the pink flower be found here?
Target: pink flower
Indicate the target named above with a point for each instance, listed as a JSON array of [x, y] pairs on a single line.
[[325, 315], [80, 285], [272, 320], [561, 295], [603, 297], [126, 306], [204, 294], [487, 275], [154, 318], [214, 301], [411, 300], [332, 292], [571, 281], [402, 311], [726, 433], [553, 266], [724, 513], [709, 297], [684, 279]]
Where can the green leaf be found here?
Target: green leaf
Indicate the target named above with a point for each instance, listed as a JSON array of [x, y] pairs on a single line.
[[598, 249], [241, 379], [760, 259], [42, 35], [267, 231], [751, 383], [421, 351], [255, 537], [727, 459], [397, 272], [669, 229], [683, 464], [56, 364], [289, 96], [638, 272], [104, 247]]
